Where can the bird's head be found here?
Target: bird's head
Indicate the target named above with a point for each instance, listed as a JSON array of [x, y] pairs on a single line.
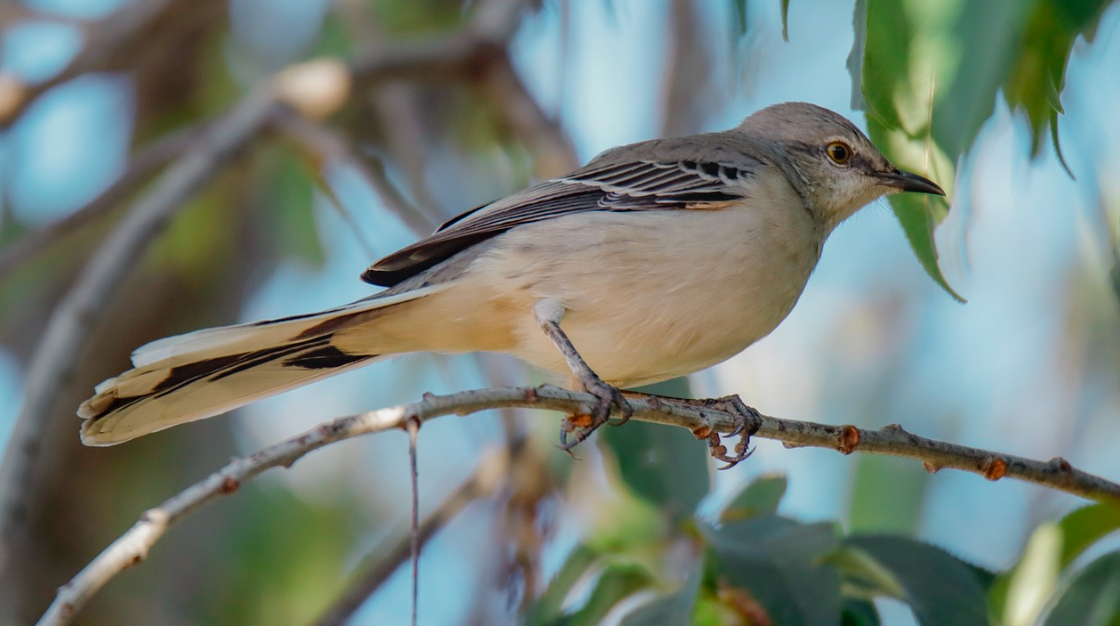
[[831, 163]]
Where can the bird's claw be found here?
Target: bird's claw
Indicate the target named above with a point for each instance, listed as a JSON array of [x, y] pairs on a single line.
[[746, 419], [608, 397]]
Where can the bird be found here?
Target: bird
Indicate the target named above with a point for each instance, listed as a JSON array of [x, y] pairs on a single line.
[[655, 260]]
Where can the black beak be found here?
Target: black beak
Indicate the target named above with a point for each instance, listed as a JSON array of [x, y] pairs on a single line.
[[910, 182]]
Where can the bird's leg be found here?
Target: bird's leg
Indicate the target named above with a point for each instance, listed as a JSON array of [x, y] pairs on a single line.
[[548, 314], [747, 423]]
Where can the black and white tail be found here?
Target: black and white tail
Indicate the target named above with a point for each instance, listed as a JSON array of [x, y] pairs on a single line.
[[208, 372]]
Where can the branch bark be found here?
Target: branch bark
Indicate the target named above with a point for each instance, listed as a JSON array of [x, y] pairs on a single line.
[[68, 330], [132, 547], [108, 44], [70, 325]]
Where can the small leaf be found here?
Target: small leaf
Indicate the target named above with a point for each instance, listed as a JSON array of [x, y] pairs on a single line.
[[941, 589], [864, 571], [1020, 594], [918, 225], [1084, 527], [666, 466], [855, 57], [1093, 597], [760, 497], [778, 561], [547, 608], [785, 20], [1058, 145], [859, 613], [618, 581], [671, 610], [739, 7], [290, 194]]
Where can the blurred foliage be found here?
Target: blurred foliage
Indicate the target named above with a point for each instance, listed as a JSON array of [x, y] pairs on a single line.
[[643, 450], [929, 75], [760, 567]]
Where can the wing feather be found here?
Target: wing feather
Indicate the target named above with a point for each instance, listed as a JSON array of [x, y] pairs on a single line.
[[611, 182]]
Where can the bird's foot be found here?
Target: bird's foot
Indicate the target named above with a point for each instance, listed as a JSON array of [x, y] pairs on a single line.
[[581, 426], [747, 423]]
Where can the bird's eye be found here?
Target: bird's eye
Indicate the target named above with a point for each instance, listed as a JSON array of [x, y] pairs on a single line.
[[839, 152]]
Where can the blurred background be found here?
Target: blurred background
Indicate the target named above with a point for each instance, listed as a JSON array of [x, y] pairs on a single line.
[[107, 105]]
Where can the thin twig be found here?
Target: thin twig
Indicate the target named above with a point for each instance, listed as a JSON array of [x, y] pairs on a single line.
[[378, 566], [67, 333], [328, 145], [69, 328], [147, 161], [133, 546], [413, 428], [106, 42]]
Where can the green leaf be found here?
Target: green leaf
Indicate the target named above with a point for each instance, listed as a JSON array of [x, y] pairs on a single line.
[[666, 466], [785, 20], [778, 561], [857, 55], [865, 573], [1020, 595], [739, 8], [1020, 48], [1093, 597], [1084, 527], [915, 215], [859, 613], [883, 36], [671, 610], [886, 495], [276, 573], [760, 497], [547, 608], [617, 581], [940, 589], [898, 117]]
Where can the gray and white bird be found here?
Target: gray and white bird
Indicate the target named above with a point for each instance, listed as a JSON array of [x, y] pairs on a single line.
[[654, 260]]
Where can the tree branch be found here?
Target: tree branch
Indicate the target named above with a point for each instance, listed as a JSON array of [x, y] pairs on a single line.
[[145, 162], [329, 146], [71, 323], [107, 42], [68, 329], [133, 546]]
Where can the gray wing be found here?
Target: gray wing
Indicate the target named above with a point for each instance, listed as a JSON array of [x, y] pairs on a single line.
[[658, 175]]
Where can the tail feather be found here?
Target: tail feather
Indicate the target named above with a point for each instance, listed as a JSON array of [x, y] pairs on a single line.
[[191, 346], [202, 374]]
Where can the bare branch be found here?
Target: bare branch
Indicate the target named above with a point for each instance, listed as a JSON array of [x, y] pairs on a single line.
[[133, 546], [328, 145], [68, 329], [147, 161], [482, 39], [107, 42], [70, 325]]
